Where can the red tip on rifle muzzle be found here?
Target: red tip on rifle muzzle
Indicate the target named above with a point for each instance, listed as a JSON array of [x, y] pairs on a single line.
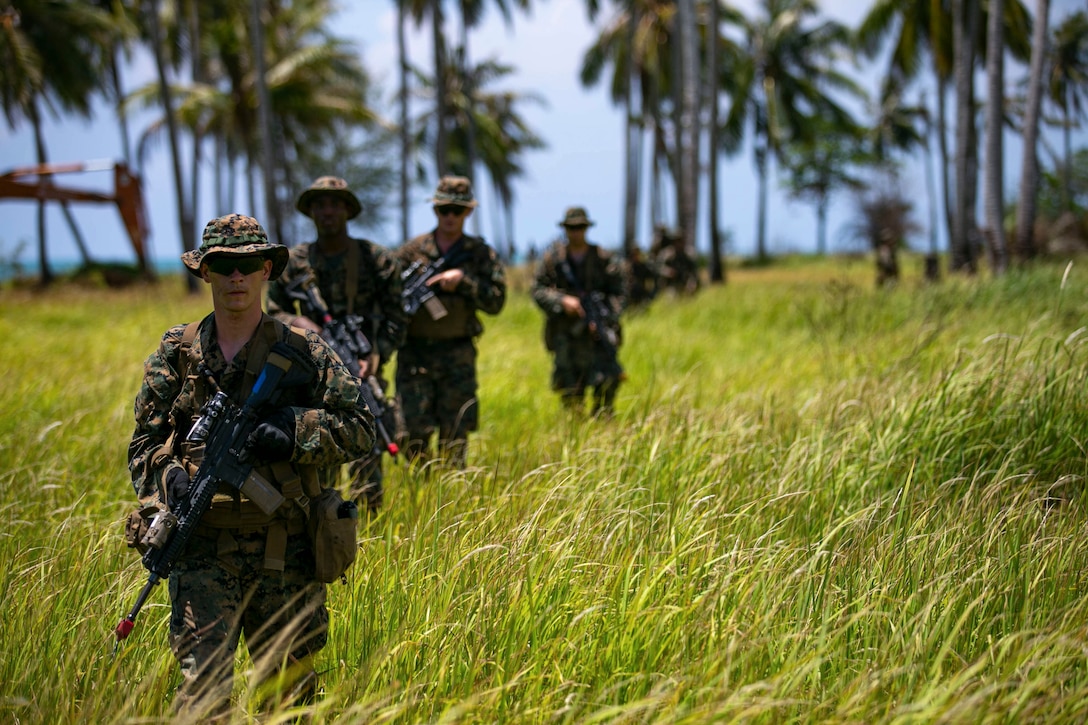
[[393, 450], [124, 628]]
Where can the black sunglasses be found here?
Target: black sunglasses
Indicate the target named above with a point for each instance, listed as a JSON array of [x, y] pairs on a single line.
[[449, 209], [226, 265]]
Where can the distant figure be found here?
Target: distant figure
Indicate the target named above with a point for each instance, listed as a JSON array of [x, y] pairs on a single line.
[[582, 290], [678, 270], [643, 279], [359, 282], [449, 278]]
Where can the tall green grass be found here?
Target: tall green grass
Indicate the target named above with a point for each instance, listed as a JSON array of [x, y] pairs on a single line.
[[818, 502]]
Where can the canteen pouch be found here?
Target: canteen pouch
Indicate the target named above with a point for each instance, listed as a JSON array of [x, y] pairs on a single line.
[[332, 526], [136, 526]]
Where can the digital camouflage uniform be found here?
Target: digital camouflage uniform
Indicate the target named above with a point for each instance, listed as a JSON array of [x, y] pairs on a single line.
[[577, 357], [436, 367], [377, 289], [231, 578]]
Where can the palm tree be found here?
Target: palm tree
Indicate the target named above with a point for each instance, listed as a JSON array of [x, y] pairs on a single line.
[[186, 223], [782, 85], [1029, 169], [820, 165], [965, 33], [686, 103], [635, 44], [483, 120], [54, 54], [315, 84], [995, 157], [921, 29], [405, 133], [1067, 85]]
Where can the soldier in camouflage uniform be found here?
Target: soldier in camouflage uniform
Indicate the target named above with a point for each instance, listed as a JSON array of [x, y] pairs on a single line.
[[436, 367], [353, 277], [568, 272], [244, 571]]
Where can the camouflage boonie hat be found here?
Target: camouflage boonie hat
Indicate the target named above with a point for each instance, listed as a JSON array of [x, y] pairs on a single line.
[[576, 217], [330, 186], [454, 190], [237, 235]]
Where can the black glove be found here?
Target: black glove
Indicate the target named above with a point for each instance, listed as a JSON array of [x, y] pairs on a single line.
[[177, 488], [274, 438]]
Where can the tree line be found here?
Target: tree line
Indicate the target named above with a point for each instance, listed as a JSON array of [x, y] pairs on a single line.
[[267, 95]]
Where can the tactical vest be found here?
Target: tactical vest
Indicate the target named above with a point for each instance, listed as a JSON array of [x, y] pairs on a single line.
[[230, 511]]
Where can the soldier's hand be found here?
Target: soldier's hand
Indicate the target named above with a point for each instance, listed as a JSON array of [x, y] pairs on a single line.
[[572, 306], [274, 437], [447, 281], [177, 487], [368, 365]]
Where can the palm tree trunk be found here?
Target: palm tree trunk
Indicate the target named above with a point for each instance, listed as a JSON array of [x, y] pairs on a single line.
[[264, 115], [932, 261], [1029, 170], [942, 147], [761, 204], [633, 136], [405, 132], [440, 144], [185, 212], [1067, 152], [45, 272], [995, 160], [710, 83], [962, 253], [688, 129], [196, 63]]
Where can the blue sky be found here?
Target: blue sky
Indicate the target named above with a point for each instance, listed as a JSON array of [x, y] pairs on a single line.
[[582, 165]]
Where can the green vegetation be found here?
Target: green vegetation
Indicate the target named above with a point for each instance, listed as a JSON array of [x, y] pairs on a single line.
[[819, 502]]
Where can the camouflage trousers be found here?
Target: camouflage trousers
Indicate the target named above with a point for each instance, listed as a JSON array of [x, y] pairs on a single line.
[[219, 591], [436, 385], [578, 365]]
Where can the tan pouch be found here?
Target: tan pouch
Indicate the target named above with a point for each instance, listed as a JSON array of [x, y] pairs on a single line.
[[136, 526], [332, 525]]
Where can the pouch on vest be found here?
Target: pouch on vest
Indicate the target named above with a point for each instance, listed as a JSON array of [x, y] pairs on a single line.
[[332, 526], [136, 526]]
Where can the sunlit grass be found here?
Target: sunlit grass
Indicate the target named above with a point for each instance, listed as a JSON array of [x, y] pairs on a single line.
[[818, 502]]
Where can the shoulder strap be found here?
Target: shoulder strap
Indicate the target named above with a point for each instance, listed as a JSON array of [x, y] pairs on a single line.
[[186, 362]]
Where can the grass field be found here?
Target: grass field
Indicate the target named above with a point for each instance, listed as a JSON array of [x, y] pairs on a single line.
[[818, 502]]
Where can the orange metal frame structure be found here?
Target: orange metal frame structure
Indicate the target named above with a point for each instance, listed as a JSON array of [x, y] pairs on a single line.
[[128, 195]]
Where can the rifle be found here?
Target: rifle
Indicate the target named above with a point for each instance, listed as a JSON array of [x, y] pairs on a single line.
[[224, 429], [604, 331], [417, 293], [345, 336]]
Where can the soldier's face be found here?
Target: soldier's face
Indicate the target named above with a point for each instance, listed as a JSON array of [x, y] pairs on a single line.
[[451, 218], [236, 291], [576, 235], [330, 214]]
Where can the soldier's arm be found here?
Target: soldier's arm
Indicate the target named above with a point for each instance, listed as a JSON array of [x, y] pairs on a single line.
[[338, 428], [394, 324], [485, 281], [546, 290], [148, 456]]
